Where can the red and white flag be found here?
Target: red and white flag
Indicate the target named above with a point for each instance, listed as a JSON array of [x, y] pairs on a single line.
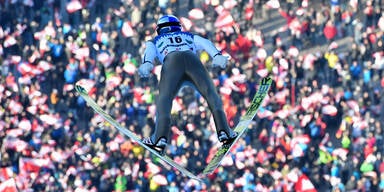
[[227, 161], [341, 152], [8, 186], [329, 110], [15, 144], [44, 65], [14, 132], [273, 4], [25, 68], [302, 139], [130, 68], [309, 59], [229, 4], [187, 24], [305, 120], [380, 23], [49, 119], [264, 113], [28, 165], [113, 81], [262, 72], [354, 3], [49, 31], [282, 113], [135, 170], [249, 12], [293, 51], [160, 179], [303, 184], [127, 29], [261, 54], [25, 125], [153, 168], [224, 19], [81, 53], [34, 164], [15, 59], [2, 34], [104, 58], [9, 41], [15, 107], [74, 6], [196, 14], [241, 181], [5, 173], [354, 105]]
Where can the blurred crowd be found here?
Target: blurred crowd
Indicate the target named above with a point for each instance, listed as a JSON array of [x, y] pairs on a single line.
[[319, 129]]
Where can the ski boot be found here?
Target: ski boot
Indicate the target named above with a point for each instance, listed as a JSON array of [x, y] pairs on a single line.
[[226, 138], [159, 146]]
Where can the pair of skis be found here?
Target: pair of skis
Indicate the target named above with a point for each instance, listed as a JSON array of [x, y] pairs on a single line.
[[241, 127]]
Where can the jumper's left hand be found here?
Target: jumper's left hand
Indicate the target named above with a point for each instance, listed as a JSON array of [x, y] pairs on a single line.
[[220, 61], [145, 69]]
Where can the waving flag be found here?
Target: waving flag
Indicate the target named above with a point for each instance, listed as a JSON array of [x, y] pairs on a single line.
[[81, 53], [15, 144], [224, 19], [352, 104], [104, 58], [196, 14], [187, 24], [8, 186], [160, 179], [273, 4], [28, 165], [249, 12], [5, 173], [49, 119], [15, 107], [74, 6], [293, 51], [264, 113], [127, 29], [329, 110], [25, 68], [44, 66], [88, 84], [113, 81], [229, 4], [9, 41], [2, 34], [303, 184]]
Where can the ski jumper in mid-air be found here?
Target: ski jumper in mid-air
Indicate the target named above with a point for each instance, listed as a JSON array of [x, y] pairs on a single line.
[[176, 50]]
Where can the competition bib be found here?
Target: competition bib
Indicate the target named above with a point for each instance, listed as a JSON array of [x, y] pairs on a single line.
[[179, 41]]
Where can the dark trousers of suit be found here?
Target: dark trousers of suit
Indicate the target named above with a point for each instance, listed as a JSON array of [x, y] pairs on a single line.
[[180, 67]]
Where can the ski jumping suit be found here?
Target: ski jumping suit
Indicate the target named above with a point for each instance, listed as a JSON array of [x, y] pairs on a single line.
[[180, 64]]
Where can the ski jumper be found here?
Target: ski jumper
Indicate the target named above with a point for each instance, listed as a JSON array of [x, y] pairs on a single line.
[[177, 53]]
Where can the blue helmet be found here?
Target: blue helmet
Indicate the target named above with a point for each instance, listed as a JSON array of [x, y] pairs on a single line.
[[167, 24]]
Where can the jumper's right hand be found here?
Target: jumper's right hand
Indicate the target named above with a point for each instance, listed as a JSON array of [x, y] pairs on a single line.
[[145, 69]]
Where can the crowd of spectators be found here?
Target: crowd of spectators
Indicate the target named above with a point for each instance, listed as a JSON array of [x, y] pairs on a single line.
[[320, 128]]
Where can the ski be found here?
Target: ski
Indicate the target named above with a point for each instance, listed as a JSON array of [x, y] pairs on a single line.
[[242, 126], [83, 93]]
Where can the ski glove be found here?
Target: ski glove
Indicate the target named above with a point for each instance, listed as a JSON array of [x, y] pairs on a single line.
[[220, 61], [145, 69]]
